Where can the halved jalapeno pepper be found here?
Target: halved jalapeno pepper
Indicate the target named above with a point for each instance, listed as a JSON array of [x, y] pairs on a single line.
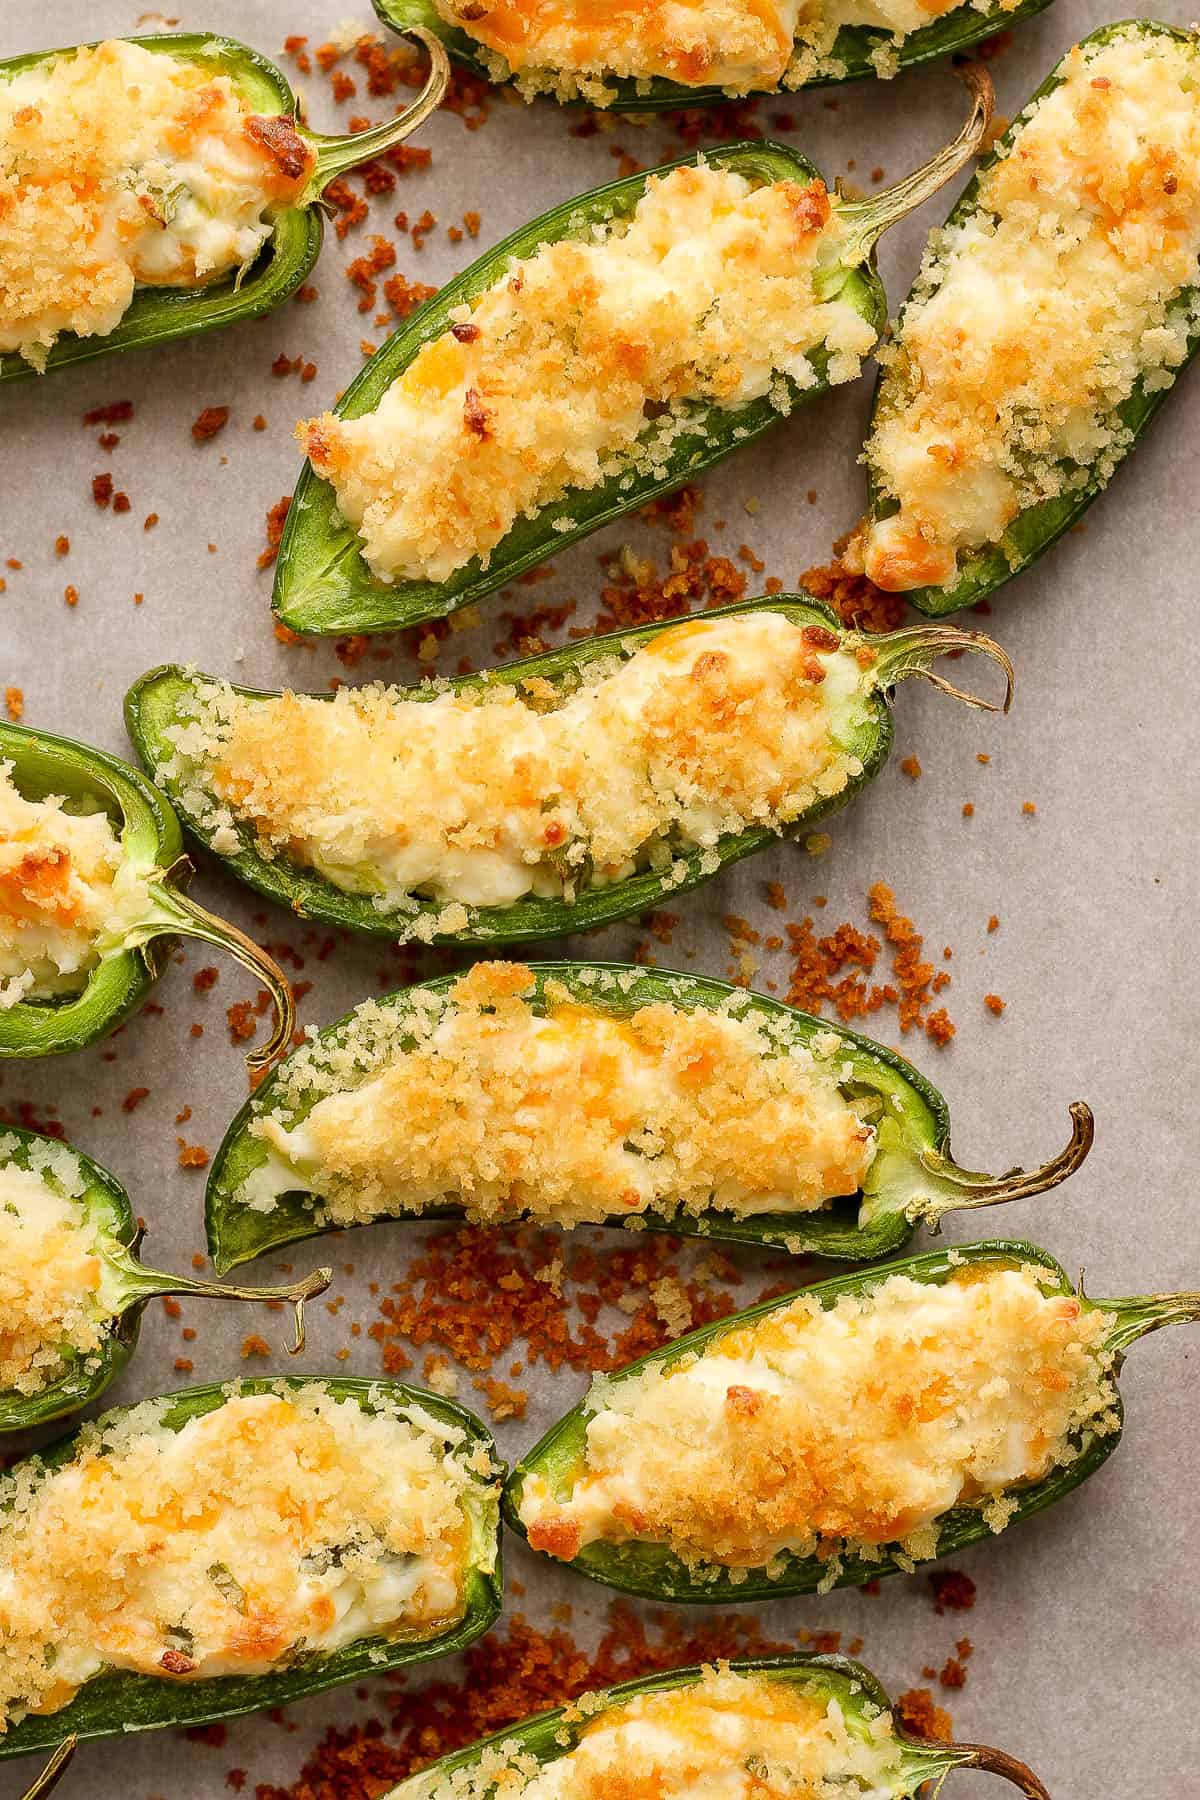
[[164, 700], [912, 1177], [855, 54], [89, 781], [322, 581], [846, 1689], [158, 315], [119, 1700], [124, 1286], [655, 1571], [981, 568]]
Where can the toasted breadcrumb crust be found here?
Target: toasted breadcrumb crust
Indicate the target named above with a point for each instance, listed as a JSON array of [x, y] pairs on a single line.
[[120, 167], [727, 1737], [573, 49], [67, 894], [567, 1112], [50, 1272], [705, 296], [848, 1429], [1070, 286], [279, 1525], [483, 796]]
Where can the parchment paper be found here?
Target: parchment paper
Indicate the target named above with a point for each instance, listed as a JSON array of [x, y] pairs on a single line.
[[1087, 1656]]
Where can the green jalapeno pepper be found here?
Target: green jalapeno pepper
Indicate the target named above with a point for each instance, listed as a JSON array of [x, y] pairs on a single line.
[[125, 1288], [161, 700], [322, 582], [158, 315], [119, 1701], [855, 1691], [653, 1570], [913, 1178], [53, 1772], [855, 51], [984, 568], [89, 781]]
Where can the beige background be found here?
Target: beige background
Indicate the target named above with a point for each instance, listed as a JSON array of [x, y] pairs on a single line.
[[1086, 1658]]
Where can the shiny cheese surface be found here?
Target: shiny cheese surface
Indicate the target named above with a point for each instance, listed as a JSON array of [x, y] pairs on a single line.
[[277, 1526], [541, 388], [485, 797], [50, 1272], [1039, 314], [120, 167], [853, 1427], [66, 895], [575, 1116], [728, 1737]]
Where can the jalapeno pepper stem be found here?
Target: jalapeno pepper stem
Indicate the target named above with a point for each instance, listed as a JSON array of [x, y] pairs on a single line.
[[337, 154], [176, 912], [1143, 1313], [53, 1771], [869, 219], [146, 1282], [963, 1189], [999, 1762], [899, 654]]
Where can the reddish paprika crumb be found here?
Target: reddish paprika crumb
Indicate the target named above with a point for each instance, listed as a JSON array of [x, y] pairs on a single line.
[[209, 422]]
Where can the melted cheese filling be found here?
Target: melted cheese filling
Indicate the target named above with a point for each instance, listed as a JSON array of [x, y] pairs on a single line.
[[1036, 317], [278, 1526], [706, 295], [858, 1426], [485, 797], [729, 1737], [580, 1116], [67, 896], [50, 1272], [120, 167], [573, 48]]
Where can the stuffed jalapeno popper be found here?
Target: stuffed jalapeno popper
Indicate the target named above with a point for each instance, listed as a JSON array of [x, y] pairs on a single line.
[[637, 55], [155, 186], [550, 795], [851, 1430], [1051, 316], [603, 354], [228, 1548], [72, 1291], [776, 1728], [591, 1093], [90, 854]]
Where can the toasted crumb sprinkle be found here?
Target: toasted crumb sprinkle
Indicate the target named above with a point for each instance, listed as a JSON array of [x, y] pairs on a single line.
[[192, 1156], [911, 767], [917, 1713], [14, 703], [994, 1003], [209, 422]]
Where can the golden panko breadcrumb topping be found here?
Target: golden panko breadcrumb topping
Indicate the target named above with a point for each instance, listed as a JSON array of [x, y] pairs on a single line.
[[50, 1273]]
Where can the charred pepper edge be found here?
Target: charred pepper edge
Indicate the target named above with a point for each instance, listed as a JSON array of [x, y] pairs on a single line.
[[654, 1572], [310, 896], [849, 1682], [120, 982], [106, 1202], [159, 315], [118, 1702], [857, 1228], [322, 582], [853, 47], [1040, 526]]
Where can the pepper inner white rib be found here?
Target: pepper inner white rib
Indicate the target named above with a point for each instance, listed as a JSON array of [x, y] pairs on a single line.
[[848, 1428], [582, 1114], [484, 797]]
